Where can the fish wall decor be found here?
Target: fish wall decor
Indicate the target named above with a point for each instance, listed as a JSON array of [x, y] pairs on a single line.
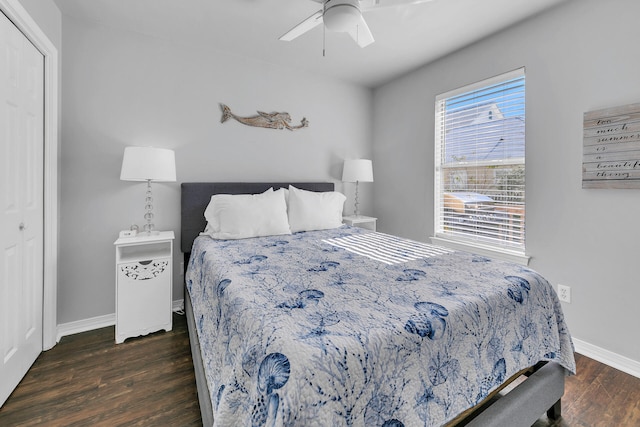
[[264, 120]]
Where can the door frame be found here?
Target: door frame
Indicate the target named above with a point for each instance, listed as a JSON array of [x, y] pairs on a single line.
[[25, 23]]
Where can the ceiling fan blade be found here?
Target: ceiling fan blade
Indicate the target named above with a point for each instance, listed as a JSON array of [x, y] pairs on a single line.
[[361, 33], [376, 4], [306, 25]]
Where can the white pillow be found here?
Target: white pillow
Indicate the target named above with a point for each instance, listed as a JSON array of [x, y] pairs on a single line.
[[242, 216], [284, 191], [310, 210]]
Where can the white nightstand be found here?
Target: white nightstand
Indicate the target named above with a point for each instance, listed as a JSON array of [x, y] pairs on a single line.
[[361, 221], [144, 288]]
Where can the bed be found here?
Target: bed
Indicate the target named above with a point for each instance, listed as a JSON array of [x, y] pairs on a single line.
[[351, 327]]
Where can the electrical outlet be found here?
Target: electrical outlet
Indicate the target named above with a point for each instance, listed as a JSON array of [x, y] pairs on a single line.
[[564, 293], [181, 268]]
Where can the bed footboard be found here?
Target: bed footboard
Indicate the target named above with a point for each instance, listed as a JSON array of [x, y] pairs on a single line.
[[523, 405]]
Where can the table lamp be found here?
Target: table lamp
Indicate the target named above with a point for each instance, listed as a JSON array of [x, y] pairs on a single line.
[[148, 164], [358, 170]]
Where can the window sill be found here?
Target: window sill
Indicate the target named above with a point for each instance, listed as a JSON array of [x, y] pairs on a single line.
[[485, 250]]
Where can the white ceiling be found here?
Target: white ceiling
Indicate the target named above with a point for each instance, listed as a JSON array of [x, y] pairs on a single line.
[[406, 36]]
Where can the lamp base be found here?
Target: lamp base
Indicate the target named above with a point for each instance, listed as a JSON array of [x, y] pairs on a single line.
[[356, 210], [148, 216]]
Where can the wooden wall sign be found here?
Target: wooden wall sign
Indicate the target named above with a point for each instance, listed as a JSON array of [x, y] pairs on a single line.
[[611, 149]]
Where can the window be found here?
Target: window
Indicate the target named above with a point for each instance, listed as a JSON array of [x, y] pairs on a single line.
[[480, 164]]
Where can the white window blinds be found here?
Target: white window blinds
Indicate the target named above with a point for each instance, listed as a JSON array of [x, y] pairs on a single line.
[[480, 163]]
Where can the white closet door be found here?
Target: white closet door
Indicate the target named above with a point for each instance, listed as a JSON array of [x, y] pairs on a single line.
[[21, 205]]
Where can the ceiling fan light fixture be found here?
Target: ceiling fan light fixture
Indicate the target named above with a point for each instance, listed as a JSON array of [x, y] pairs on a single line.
[[342, 16]]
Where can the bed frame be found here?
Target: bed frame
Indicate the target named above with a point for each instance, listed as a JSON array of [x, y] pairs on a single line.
[[522, 406]]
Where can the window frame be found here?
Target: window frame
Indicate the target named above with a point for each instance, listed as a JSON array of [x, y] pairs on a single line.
[[472, 243]]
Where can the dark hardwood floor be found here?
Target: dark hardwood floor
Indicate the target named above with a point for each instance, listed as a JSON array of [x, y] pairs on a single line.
[[598, 396], [88, 380]]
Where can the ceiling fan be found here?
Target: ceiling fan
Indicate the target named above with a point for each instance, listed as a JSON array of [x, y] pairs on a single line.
[[345, 16]]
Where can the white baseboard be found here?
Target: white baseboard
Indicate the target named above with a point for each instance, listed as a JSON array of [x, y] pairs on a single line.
[[98, 322], [622, 363], [178, 306], [85, 325]]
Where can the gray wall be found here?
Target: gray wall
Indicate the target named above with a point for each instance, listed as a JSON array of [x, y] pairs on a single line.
[[579, 57], [121, 88]]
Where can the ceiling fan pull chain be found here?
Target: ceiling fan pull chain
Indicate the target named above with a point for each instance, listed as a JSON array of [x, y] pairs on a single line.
[[324, 40]]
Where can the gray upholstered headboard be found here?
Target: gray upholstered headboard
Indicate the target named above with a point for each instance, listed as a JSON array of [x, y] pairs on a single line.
[[195, 197]]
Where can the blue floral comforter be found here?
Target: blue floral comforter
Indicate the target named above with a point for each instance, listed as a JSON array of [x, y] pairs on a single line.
[[297, 331]]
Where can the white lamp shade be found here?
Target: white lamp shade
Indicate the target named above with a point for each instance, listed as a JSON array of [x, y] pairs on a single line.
[[148, 164], [358, 170]]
